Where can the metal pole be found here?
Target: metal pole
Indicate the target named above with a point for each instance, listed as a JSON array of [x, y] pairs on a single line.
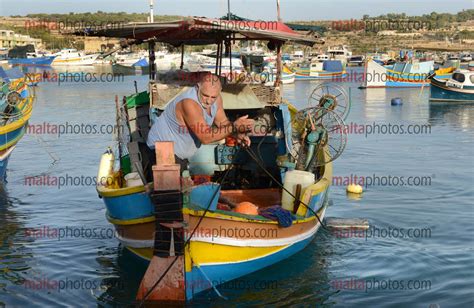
[[278, 11], [151, 58], [151, 11], [228, 9], [182, 57]]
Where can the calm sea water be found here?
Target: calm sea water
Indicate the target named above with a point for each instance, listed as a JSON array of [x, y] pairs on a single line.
[[420, 253]]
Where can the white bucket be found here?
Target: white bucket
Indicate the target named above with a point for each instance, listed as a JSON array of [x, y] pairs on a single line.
[[133, 179], [293, 178]]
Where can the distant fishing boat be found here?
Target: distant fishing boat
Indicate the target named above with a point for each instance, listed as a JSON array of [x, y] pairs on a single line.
[[73, 57], [32, 61], [459, 88], [287, 75], [130, 58], [341, 53], [401, 74], [328, 69], [16, 103], [28, 56], [234, 66], [356, 61]]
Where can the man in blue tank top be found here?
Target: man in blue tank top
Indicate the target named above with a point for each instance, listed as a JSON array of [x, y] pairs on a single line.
[[197, 117]]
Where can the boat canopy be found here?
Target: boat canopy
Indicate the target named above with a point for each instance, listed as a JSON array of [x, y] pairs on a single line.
[[203, 31]]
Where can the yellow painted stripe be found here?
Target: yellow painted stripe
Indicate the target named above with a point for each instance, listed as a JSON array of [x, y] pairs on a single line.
[[26, 114], [126, 222], [12, 142], [67, 60], [145, 253], [202, 253], [111, 192]]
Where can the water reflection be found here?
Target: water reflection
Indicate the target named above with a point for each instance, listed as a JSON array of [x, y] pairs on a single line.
[[15, 256], [124, 271], [456, 115]]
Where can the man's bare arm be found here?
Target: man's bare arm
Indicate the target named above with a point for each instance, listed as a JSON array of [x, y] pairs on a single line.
[[194, 120]]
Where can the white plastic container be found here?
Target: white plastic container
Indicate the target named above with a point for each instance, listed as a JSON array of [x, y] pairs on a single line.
[[293, 178], [133, 179], [106, 168]]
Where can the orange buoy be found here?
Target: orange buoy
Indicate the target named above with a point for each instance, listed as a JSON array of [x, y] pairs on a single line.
[[247, 208]]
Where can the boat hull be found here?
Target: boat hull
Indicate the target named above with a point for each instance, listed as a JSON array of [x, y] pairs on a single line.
[[4, 157], [304, 75], [400, 75], [15, 127], [224, 245], [440, 92], [75, 61], [40, 61]]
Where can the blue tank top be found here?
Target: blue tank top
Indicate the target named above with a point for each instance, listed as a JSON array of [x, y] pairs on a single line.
[[167, 127]]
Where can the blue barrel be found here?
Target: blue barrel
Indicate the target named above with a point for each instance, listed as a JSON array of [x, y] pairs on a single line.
[[397, 101]]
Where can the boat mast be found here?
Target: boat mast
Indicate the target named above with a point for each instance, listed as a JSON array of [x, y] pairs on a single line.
[[278, 59], [151, 49], [151, 12]]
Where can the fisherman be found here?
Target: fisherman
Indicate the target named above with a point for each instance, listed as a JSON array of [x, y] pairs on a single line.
[[197, 117]]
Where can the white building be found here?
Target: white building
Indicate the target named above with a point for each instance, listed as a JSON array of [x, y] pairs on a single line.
[[10, 39]]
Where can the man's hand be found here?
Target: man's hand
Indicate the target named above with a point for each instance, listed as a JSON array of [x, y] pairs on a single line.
[[243, 125], [243, 140]]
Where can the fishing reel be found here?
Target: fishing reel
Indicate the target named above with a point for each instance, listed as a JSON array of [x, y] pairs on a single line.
[[318, 134], [331, 97], [318, 137], [13, 98]]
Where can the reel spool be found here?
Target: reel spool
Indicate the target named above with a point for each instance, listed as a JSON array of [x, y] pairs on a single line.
[[332, 97]]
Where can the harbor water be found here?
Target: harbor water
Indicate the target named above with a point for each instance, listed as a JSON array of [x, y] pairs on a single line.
[[414, 161]]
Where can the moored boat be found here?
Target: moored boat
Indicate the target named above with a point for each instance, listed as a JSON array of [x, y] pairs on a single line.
[[191, 230], [328, 69], [28, 56], [16, 103], [73, 57], [458, 89], [401, 74]]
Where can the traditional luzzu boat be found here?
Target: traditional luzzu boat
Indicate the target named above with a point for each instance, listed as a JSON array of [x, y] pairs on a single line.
[[327, 69], [402, 74], [237, 209], [16, 103], [269, 75], [458, 89]]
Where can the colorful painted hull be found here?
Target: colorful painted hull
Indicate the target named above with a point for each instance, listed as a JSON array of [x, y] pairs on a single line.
[[226, 245], [307, 75], [440, 92], [4, 157], [40, 61], [400, 75], [71, 61], [15, 127]]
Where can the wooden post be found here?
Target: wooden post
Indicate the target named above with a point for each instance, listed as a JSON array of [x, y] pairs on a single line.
[[278, 66], [182, 57], [151, 65]]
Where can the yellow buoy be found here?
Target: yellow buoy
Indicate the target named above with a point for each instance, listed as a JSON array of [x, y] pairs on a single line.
[[354, 189]]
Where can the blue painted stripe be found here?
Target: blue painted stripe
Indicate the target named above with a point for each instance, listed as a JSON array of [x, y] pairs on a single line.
[[12, 135], [131, 206], [3, 168], [218, 274]]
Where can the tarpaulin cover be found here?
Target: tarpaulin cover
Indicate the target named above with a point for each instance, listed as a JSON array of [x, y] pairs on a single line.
[[332, 66]]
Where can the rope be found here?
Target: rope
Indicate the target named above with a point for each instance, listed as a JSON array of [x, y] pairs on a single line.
[[259, 163], [189, 239]]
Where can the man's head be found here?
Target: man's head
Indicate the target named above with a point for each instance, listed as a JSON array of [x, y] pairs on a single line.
[[209, 89]]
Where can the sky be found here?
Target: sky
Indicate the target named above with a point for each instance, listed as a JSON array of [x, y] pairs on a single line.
[[253, 9]]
